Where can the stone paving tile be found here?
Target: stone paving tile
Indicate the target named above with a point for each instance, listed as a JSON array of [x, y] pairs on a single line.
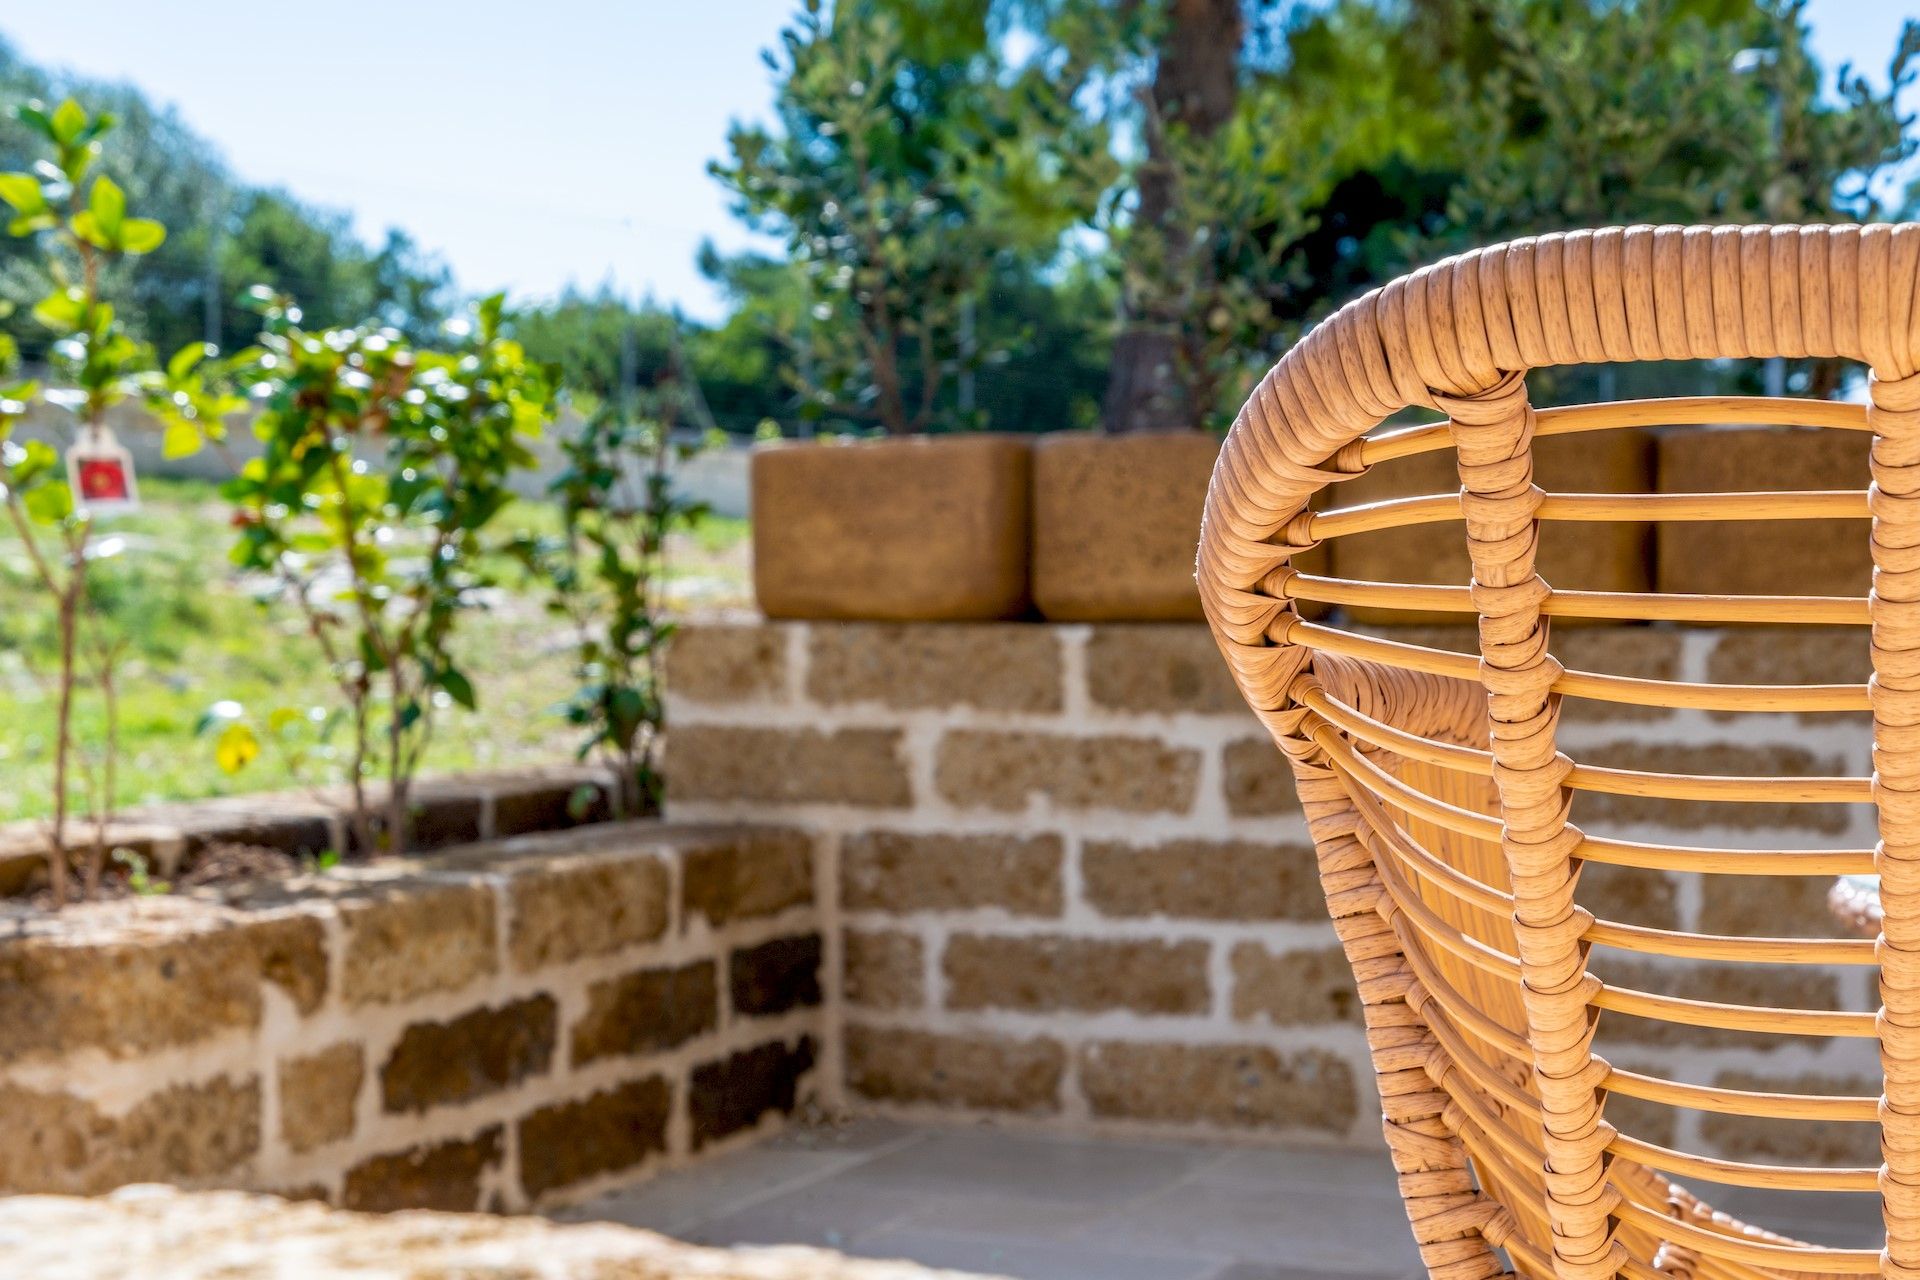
[[1033, 1260], [1265, 1271], [961, 1162], [675, 1202], [1035, 1207], [832, 1212], [1365, 1173], [1004, 1217], [1336, 1233], [867, 1135]]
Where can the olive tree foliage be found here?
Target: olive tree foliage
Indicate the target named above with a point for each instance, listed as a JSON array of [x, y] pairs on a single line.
[[1670, 111], [1366, 139], [1202, 279], [1677, 111], [1171, 237], [908, 161], [1267, 170]]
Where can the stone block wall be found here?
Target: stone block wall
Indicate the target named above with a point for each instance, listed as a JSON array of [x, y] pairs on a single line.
[[1068, 882], [516, 1023]]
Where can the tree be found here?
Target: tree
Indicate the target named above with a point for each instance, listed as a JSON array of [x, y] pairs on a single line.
[[1687, 111], [1194, 92], [753, 365], [607, 345], [908, 162], [1668, 112], [1370, 138], [275, 240], [1048, 335], [413, 290]]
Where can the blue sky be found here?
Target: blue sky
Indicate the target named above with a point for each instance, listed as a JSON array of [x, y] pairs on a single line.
[[531, 144]]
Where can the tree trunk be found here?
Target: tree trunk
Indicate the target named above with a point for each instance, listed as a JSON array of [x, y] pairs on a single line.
[[1195, 87]]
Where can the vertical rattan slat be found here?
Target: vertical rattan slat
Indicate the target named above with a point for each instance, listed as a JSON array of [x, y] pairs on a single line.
[[1493, 435], [1496, 1160], [1895, 607]]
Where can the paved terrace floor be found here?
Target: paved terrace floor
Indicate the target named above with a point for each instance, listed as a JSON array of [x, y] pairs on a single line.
[[1045, 1208]]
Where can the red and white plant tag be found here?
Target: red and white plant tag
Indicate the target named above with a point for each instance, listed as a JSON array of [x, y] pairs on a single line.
[[100, 471]]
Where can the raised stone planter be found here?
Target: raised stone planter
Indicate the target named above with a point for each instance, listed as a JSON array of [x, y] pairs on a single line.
[[928, 527], [1045, 874], [1116, 520], [507, 1024]]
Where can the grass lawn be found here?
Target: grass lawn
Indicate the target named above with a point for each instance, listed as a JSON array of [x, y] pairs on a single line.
[[197, 636]]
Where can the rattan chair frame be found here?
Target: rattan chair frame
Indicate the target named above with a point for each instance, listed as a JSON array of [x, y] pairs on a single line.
[[1433, 784]]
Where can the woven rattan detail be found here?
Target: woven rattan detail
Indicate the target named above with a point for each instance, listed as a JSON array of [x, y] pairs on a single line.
[[1434, 784]]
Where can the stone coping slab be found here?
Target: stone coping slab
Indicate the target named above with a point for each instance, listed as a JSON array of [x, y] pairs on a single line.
[[159, 1233], [449, 811]]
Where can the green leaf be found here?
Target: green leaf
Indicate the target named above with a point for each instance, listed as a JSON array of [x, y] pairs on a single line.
[[49, 503], [490, 310], [36, 458], [458, 687], [63, 311], [186, 358], [101, 123], [236, 748], [108, 204], [15, 400], [28, 223], [66, 122], [182, 440], [87, 227], [626, 708], [582, 801], [141, 235], [217, 716], [34, 116], [22, 191]]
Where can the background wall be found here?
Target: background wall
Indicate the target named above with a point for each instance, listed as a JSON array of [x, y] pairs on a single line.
[[1070, 883]]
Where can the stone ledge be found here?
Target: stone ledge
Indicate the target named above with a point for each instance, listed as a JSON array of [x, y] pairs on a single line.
[[147, 1230], [448, 811]]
